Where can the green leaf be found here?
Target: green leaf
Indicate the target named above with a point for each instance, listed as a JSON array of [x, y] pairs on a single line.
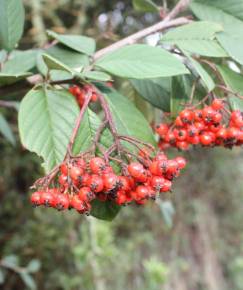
[[28, 280], [33, 266], [54, 64], [60, 75], [6, 130], [180, 92], [141, 61], [11, 23], [235, 82], [129, 121], [155, 91], [97, 76], [20, 61], [7, 79], [232, 37], [46, 121], [68, 57], [205, 77], [104, 210], [87, 131], [145, 6], [232, 7], [233, 45], [78, 43], [197, 37], [206, 11]]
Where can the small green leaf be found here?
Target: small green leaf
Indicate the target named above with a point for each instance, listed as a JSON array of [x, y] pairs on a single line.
[[54, 64], [235, 82], [180, 92], [141, 61], [11, 23], [233, 45], [60, 75], [197, 37], [97, 76], [104, 210], [155, 91], [7, 79], [33, 266], [28, 280], [129, 121], [46, 121], [78, 43], [145, 6], [6, 130], [205, 77], [20, 61]]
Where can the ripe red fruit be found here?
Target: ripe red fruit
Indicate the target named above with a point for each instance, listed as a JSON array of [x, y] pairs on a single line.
[[111, 181], [172, 166], [95, 183], [162, 129], [63, 179], [121, 198], [208, 114], [178, 122], [61, 202], [186, 116], [47, 199], [85, 194], [206, 139], [142, 192], [182, 145], [36, 198], [167, 186], [76, 173], [180, 134], [64, 169], [232, 133], [217, 118], [97, 165], [221, 133], [217, 104], [124, 183], [181, 161], [137, 171], [157, 182], [77, 203], [170, 137]]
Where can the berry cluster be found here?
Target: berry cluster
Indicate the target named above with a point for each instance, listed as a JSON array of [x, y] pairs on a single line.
[[80, 181], [80, 93], [206, 126]]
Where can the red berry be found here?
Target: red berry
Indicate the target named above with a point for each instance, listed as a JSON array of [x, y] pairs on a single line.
[[76, 173], [86, 194], [186, 116], [162, 129], [181, 161], [217, 104], [111, 181], [95, 183], [61, 202], [206, 139], [36, 198], [97, 165]]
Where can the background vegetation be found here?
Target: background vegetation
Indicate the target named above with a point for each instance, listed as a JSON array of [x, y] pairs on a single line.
[[191, 240]]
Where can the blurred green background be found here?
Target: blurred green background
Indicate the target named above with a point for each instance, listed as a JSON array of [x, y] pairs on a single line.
[[190, 240]]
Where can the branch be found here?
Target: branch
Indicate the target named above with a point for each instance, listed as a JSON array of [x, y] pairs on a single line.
[[141, 34], [165, 23]]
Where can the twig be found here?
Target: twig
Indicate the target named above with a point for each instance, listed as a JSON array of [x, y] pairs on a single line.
[[230, 91], [141, 34], [8, 104], [78, 122]]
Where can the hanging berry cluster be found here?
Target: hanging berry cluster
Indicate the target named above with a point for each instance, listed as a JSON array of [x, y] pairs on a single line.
[[80, 182], [211, 126], [80, 93], [141, 173]]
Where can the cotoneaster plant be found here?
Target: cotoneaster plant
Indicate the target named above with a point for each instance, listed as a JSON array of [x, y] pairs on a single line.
[[76, 103]]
